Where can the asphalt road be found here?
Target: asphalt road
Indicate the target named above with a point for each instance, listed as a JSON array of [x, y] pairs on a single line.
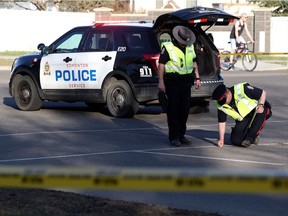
[[70, 134]]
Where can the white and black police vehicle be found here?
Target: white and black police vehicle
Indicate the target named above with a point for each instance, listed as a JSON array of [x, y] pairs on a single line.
[[113, 64]]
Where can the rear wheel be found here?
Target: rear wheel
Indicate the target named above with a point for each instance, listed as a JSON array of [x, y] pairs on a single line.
[[225, 60], [120, 100], [26, 94], [249, 61]]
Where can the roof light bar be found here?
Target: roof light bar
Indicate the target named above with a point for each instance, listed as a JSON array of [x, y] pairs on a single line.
[[102, 22]]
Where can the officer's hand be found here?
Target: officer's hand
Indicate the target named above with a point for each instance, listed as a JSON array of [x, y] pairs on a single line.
[[198, 84], [161, 86], [260, 109], [220, 143]]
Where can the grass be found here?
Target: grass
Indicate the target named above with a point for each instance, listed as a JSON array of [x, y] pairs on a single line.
[[14, 53], [8, 61], [274, 59]]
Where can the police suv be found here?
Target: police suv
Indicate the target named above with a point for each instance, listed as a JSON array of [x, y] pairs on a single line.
[[113, 64]]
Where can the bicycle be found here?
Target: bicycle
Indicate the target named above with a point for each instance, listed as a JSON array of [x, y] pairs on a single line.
[[249, 60]]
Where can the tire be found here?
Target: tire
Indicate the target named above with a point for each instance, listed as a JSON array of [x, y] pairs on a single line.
[[26, 94], [120, 100], [224, 61], [249, 61]]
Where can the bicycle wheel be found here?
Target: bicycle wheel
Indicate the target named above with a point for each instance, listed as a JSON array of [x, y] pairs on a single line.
[[224, 61], [249, 61]]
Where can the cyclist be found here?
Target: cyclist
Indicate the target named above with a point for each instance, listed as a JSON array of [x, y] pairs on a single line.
[[235, 35]]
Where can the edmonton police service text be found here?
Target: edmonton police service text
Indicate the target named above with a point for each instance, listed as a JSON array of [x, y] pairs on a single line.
[[79, 75]]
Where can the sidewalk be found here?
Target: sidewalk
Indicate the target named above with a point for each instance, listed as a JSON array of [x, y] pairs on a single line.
[[262, 66], [267, 66]]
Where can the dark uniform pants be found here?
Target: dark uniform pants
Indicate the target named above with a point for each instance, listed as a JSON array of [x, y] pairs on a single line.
[[178, 91], [241, 131]]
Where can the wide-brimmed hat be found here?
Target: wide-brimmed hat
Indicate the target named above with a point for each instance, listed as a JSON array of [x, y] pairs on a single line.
[[183, 35]]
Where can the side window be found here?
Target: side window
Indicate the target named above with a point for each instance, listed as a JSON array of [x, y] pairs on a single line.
[[135, 40], [99, 41], [69, 42]]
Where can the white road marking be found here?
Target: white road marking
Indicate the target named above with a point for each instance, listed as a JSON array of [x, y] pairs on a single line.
[[148, 151], [74, 131], [97, 153], [118, 129], [215, 158]]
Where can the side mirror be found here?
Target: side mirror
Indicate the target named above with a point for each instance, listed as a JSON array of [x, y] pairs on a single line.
[[44, 49], [40, 46]]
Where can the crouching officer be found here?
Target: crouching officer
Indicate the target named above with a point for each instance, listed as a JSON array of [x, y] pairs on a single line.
[[177, 70], [248, 106]]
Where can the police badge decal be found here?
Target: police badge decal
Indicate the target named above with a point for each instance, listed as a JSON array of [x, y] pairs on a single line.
[[47, 70]]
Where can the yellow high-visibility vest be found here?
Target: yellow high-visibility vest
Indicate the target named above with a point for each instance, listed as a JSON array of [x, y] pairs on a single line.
[[243, 103], [179, 62]]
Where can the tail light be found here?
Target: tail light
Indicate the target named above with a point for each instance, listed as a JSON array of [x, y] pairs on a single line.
[[198, 21], [153, 59]]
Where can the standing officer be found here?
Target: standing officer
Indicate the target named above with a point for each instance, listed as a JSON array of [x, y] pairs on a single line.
[[247, 105], [177, 70]]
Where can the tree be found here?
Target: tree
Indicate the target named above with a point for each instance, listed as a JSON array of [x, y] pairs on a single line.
[[281, 5], [39, 4], [84, 5], [61, 5], [6, 4]]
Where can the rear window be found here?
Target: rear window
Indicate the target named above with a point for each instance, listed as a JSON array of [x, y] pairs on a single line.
[[141, 40]]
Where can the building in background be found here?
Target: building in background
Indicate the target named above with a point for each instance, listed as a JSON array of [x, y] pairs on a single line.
[[267, 31], [230, 6]]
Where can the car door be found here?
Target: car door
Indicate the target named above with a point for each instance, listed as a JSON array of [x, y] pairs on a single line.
[[57, 68], [97, 58]]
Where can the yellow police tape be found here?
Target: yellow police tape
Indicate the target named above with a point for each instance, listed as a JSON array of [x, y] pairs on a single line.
[[146, 179], [255, 53]]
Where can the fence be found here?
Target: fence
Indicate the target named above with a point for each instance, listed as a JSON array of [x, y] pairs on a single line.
[[24, 30]]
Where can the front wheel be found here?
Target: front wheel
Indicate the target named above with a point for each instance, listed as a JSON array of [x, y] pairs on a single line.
[[120, 100], [249, 61], [26, 94], [225, 60]]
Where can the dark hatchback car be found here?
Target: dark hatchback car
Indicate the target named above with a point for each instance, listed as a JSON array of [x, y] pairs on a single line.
[[199, 20], [113, 64]]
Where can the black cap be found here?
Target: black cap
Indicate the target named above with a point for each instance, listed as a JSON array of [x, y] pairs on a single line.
[[219, 92]]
